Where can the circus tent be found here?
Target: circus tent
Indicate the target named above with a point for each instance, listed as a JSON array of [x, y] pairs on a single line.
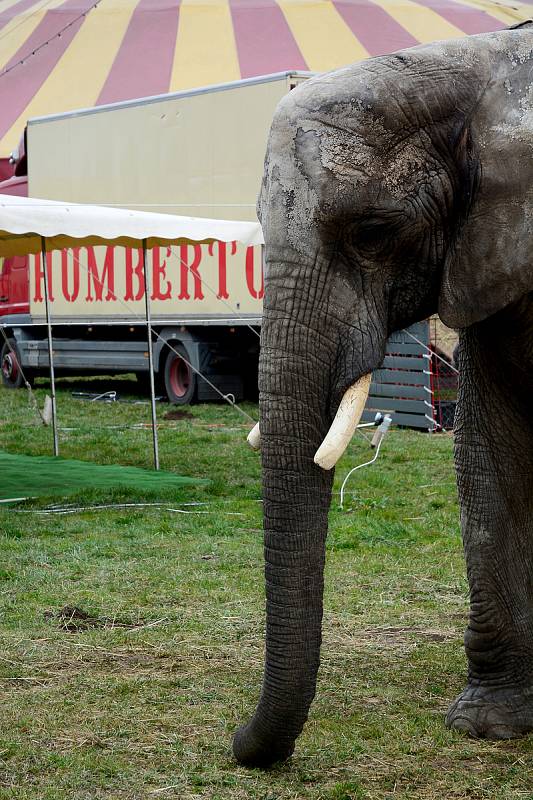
[[58, 55]]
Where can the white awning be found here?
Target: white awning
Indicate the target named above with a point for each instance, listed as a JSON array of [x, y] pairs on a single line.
[[25, 220]]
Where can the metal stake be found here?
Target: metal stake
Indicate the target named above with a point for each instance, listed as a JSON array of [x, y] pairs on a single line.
[[50, 347], [147, 293]]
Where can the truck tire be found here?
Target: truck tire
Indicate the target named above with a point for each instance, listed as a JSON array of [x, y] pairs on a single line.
[[180, 378], [10, 366]]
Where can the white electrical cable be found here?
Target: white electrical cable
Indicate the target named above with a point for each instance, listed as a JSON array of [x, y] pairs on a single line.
[[359, 466], [383, 423], [62, 511], [110, 397]]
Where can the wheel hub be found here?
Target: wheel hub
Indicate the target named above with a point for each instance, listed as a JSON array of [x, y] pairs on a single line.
[[9, 367], [180, 377]]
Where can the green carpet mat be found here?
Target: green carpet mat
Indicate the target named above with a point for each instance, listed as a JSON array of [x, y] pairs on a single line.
[[38, 476]]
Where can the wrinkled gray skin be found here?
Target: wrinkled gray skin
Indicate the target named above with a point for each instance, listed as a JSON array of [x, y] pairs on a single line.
[[394, 188]]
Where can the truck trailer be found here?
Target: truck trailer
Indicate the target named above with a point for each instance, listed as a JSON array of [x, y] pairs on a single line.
[[193, 153]]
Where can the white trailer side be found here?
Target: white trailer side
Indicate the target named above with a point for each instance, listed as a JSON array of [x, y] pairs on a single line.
[[197, 153]]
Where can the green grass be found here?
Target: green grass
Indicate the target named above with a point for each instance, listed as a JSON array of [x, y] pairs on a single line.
[[137, 693]]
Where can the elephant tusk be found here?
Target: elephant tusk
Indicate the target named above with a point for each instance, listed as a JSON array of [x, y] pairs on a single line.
[[254, 438], [343, 426]]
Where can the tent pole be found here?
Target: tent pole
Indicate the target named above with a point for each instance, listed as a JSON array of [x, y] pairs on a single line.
[[50, 347], [147, 293]]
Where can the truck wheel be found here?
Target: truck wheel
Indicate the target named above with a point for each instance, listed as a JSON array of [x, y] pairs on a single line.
[[180, 379], [10, 366]]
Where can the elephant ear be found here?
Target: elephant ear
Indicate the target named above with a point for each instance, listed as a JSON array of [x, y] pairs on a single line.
[[489, 263]]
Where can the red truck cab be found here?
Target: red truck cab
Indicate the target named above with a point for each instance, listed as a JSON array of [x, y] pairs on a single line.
[[14, 272], [14, 286]]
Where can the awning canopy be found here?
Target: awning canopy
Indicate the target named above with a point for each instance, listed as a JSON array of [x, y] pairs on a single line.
[[24, 221], [59, 55]]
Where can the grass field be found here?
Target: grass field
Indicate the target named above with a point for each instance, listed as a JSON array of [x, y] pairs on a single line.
[[132, 638]]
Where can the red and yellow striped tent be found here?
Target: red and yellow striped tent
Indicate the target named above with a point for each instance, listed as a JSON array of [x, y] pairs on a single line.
[[57, 55]]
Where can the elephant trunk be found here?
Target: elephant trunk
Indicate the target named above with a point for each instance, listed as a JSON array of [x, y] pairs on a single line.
[[312, 351], [295, 388]]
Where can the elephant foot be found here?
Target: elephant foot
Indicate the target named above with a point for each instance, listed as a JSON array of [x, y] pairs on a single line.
[[492, 714], [252, 749]]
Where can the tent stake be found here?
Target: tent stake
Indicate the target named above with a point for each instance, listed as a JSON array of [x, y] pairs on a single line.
[[50, 347], [147, 293]]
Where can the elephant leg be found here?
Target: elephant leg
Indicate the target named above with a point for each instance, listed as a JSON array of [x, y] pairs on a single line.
[[494, 463]]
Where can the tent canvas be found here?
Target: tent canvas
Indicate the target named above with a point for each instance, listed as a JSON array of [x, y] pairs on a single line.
[[26, 221], [61, 56]]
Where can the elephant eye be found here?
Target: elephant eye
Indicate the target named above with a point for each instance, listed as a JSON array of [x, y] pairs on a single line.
[[371, 236]]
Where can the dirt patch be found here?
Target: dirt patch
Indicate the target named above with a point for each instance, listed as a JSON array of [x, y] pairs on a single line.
[[75, 619], [177, 414]]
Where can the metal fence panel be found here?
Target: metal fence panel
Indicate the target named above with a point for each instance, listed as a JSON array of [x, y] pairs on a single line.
[[402, 385]]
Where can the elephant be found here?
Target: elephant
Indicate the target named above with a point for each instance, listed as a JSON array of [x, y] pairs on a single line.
[[395, 188]]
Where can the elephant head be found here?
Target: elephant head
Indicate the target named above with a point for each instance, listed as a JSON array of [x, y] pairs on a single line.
[[393, 188]]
